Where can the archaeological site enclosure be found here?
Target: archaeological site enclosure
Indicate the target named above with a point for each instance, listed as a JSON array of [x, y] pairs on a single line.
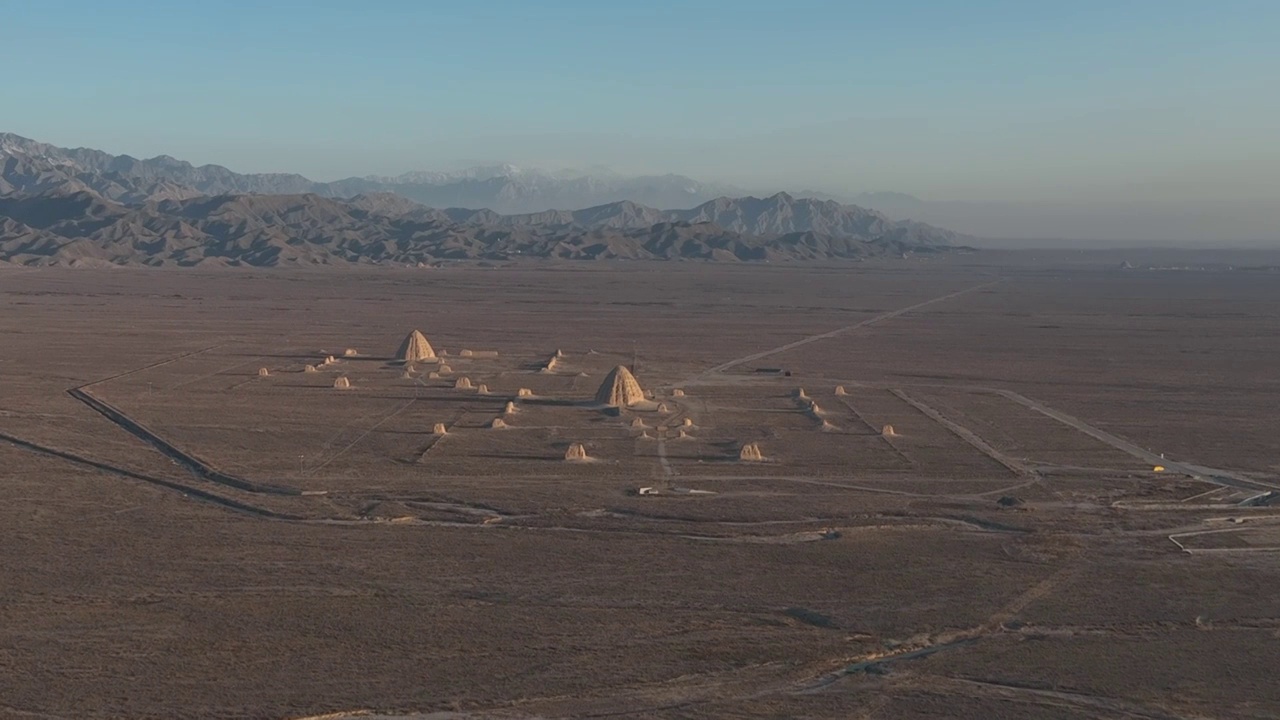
[[966, 486]]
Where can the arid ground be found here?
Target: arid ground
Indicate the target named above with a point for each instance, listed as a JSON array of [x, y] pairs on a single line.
[[1070, 518]]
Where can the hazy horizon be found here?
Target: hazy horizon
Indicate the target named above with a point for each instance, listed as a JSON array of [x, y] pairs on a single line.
[[1146, 121]]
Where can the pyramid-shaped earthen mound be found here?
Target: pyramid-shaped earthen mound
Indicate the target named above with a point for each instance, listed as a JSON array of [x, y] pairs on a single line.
[[620, 389], [342, 383], [750, 453], [263, 372], [310, 369], [439, 429], [840, 390], [415, 348], [576, 452], [888, 431], [462, 383]]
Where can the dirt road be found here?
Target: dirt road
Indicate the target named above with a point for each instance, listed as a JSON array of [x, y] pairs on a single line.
[[838, 331], [1225, 478]]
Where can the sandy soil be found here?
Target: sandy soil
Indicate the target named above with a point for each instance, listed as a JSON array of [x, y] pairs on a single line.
[[185, 538]]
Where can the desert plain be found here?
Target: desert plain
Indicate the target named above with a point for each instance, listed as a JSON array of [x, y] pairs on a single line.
[[1001, 484]]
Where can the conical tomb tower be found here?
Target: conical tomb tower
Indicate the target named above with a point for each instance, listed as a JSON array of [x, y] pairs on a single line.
[[620, 389], [415, 348]]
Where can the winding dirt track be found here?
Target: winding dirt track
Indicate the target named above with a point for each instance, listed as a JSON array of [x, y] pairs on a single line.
[[1103, 706]]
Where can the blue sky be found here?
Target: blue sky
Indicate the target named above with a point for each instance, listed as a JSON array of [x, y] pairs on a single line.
[[981, 100]]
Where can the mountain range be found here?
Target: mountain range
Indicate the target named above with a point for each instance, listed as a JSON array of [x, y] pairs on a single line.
[[32, 166], [86, 207]]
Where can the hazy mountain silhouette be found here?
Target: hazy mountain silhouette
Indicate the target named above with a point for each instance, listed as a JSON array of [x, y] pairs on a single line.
[[82, 206], [30, 166], [81, 227], [775, 215]]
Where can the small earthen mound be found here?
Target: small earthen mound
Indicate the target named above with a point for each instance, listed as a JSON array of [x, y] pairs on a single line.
[[310, 369], [662, 408], [638, 424], [342, 383], [840, 390], [462, 383], [263, 372], [439, 429], [1010, 501], [329, 360], [524, 392], [750, 453], [888, 431], [800, 394], [497, 423], [576, 453], [688, 422], [509, 409], [444, 370], [677, 393], [559, 353], [465, 353], [482, 389], [350, 352], [433, 375], [684, 435]]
